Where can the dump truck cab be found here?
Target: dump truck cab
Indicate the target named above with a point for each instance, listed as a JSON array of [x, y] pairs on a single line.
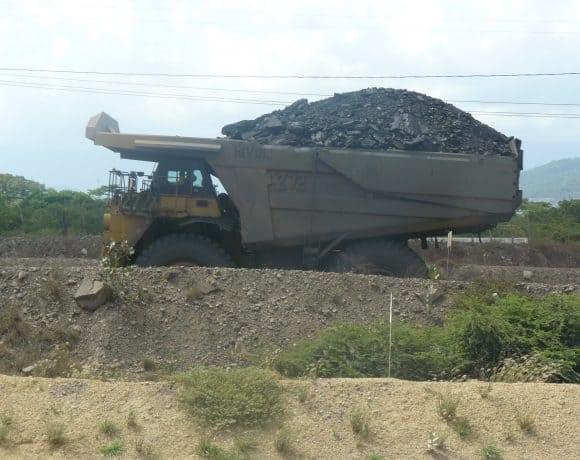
[[179, 197]]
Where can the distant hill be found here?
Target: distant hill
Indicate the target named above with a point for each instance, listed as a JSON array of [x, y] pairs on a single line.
[[555, 181]]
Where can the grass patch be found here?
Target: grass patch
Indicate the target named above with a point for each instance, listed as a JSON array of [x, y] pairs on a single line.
[[303, 393], [244, 445], [52, 288], [360, 424], [145, 450], [447, 406], [6, 425], [109, 428], [527, 422], [374, 456], [481, 331], [56, 434], [284, 441], [222, 398], [491, 451], [462, 427], [484, 390], [149, 365], [132, 420], [115, 448]]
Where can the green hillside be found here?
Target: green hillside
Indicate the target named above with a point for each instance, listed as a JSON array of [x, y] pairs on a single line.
[[555, 181]]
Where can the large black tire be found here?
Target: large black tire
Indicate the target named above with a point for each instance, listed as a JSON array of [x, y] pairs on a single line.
[[379, 257], [183, 249]]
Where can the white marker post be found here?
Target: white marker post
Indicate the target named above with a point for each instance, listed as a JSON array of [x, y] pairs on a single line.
[[390, 334], [449, 244]]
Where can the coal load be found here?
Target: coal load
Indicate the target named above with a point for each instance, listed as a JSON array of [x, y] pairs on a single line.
[[374, 119]]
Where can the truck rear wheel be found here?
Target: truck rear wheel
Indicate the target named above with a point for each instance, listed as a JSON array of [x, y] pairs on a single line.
[[184, 250], [380, 258]]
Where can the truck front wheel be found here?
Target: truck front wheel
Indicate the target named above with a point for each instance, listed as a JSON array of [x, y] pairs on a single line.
[[379, 257], [184, 249]]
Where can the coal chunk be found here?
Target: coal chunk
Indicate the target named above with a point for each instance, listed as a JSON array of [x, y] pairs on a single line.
[[374, 119]]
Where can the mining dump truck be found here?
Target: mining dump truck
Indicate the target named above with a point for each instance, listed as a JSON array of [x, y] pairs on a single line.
[[231, 203]]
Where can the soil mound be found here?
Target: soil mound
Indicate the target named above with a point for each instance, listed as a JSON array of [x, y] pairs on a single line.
[[374, 119]]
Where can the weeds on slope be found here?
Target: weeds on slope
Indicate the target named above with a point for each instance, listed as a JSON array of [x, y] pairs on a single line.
[[489, 325], [223, 398]]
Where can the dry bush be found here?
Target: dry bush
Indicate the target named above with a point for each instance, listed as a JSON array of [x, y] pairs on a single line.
[[56, 434], [447, 406], [360, 424]]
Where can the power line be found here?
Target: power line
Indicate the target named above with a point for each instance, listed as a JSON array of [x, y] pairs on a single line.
[[281, 76], [162, 85], [288, 93], [186, 97], [80, 89]]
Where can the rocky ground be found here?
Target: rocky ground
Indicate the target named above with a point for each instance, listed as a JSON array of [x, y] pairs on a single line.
[[374, 119], [401, 414], [179, 317]]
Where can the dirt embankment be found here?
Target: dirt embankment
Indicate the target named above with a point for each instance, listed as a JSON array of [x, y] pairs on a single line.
[[401, 416], [183, 317], [488, 254], [88, 246]]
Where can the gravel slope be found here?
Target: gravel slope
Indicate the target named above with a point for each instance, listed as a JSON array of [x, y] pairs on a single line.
[[402, 414], [190, 316]]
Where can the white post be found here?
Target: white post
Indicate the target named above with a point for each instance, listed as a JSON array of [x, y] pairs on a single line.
[[390, 334]]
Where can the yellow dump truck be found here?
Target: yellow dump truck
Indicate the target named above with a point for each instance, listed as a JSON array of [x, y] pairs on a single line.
[[221, 202]]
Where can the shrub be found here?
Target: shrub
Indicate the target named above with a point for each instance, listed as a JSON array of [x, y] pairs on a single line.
[[491, 451], [109, 428], [303, 393], [145, 450], [222, 398], [487, 331], [462, 427], [527, 422], [419, 353], [537, 367], [114, 448], [374, 457], [360, 424], [481, 332], [6, 424], [284, 441], [56, 435], [447, 406], [132, 420], [484, 390]]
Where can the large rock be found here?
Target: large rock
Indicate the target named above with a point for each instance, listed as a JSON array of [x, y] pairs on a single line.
[[374, 119], [91, 294]]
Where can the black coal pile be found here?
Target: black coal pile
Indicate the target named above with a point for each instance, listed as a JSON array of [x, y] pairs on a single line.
[[374, 119]]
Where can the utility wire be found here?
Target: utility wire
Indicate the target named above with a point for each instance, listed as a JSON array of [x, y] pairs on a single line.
[[115, 92], [288, 93], [258, 91], [289, 77], [80, 89]]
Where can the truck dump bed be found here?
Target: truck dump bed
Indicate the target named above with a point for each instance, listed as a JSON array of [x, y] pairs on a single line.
[[288, 195]]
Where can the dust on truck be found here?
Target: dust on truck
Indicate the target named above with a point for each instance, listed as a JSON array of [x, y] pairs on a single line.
[[297, 207]]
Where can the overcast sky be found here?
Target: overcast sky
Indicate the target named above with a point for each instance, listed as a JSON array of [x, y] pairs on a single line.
[[42, 130]]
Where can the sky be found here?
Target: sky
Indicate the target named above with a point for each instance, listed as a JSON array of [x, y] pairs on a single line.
[[43, 115]]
